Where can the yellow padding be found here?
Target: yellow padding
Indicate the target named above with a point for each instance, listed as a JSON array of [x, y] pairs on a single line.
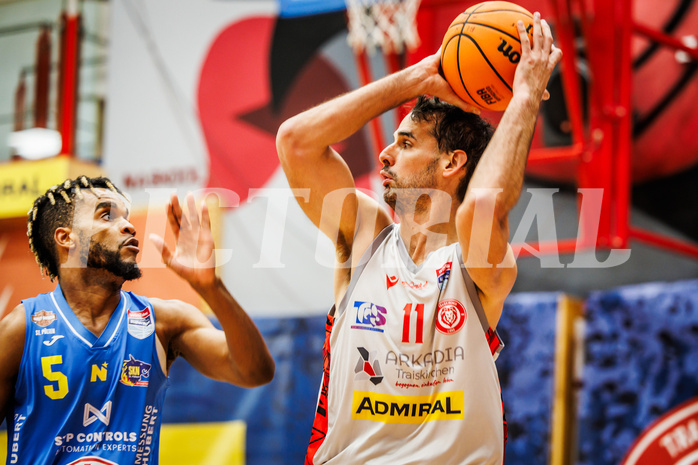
[[203, 443], [192, 444]]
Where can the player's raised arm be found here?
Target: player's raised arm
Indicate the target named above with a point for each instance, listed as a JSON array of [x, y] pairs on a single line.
[[304, 142], [238, 354], [497, 181]]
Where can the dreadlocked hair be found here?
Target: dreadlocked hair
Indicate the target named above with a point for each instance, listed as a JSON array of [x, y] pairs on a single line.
[[53, 210], [455, 129]]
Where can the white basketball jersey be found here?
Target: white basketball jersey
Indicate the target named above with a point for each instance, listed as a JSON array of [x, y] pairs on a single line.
[[409, 366]]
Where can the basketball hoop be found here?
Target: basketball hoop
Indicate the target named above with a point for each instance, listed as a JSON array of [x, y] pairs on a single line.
[[388, 24]]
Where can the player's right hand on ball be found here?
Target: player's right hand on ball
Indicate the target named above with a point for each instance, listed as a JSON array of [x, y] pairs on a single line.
[[436, 85]]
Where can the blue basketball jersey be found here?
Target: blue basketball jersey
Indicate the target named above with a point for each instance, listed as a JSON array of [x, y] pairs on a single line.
[[83, 399]]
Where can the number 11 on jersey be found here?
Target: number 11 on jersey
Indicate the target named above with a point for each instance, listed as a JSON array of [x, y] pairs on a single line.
[[419, 330]]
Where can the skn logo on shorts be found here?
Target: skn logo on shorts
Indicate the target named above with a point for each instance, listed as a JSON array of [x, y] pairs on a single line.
[[411, 410], [369, 316]]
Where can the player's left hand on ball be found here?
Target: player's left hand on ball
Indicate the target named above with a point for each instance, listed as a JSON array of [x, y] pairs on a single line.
[[539, 57]]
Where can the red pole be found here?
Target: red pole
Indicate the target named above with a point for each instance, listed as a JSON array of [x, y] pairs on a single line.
[[20, 95], [664, 39], [430, 38], [596, 167], [570, 78], [394, 63], [41, 77], [562, 246], [543, 155], [376, 126], [623, 126], [68, 76], [667, 242]]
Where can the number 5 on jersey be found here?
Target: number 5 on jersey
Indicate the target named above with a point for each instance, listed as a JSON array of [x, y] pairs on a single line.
[[419, 324], [55, 376]]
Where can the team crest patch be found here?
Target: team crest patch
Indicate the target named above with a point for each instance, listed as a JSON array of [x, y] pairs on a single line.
[[450, 316], [134, 372], [92, 461], [43, 318], [140, 323], [442, 275]]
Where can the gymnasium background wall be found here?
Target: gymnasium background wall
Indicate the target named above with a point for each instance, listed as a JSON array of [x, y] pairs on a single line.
[[195, 92]]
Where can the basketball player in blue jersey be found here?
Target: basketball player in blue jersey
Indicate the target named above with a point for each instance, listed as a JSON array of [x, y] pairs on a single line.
[[409, 374], [83, 369]]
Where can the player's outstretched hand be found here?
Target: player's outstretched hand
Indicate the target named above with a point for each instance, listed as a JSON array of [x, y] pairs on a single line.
[[193, 258], [538, 59]]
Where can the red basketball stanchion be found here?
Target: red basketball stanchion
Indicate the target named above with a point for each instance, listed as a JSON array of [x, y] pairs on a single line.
[[69, 76], [42, 78], [565, 39], [604, 148], [600, 150], [377, 139], [665, 40], [19, 105], [624, 131], [20, 97]]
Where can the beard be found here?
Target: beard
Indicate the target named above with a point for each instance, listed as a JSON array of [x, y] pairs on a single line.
[[110, 260], [411, 192]]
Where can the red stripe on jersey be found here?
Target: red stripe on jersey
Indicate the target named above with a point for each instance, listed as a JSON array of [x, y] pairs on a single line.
[[317, 436], [494, 343], [506, 433], [493, 340]]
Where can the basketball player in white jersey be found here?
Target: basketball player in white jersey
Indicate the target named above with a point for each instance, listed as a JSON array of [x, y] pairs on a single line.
[[410, 347]]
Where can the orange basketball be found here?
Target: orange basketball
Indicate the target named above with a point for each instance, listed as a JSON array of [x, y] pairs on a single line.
[[480, 52]]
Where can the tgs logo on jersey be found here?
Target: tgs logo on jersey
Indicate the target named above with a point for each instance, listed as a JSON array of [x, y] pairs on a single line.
[[135, 372], [369, 316]]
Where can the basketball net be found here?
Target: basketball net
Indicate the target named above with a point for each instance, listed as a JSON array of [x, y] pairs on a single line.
[[388, 24]]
